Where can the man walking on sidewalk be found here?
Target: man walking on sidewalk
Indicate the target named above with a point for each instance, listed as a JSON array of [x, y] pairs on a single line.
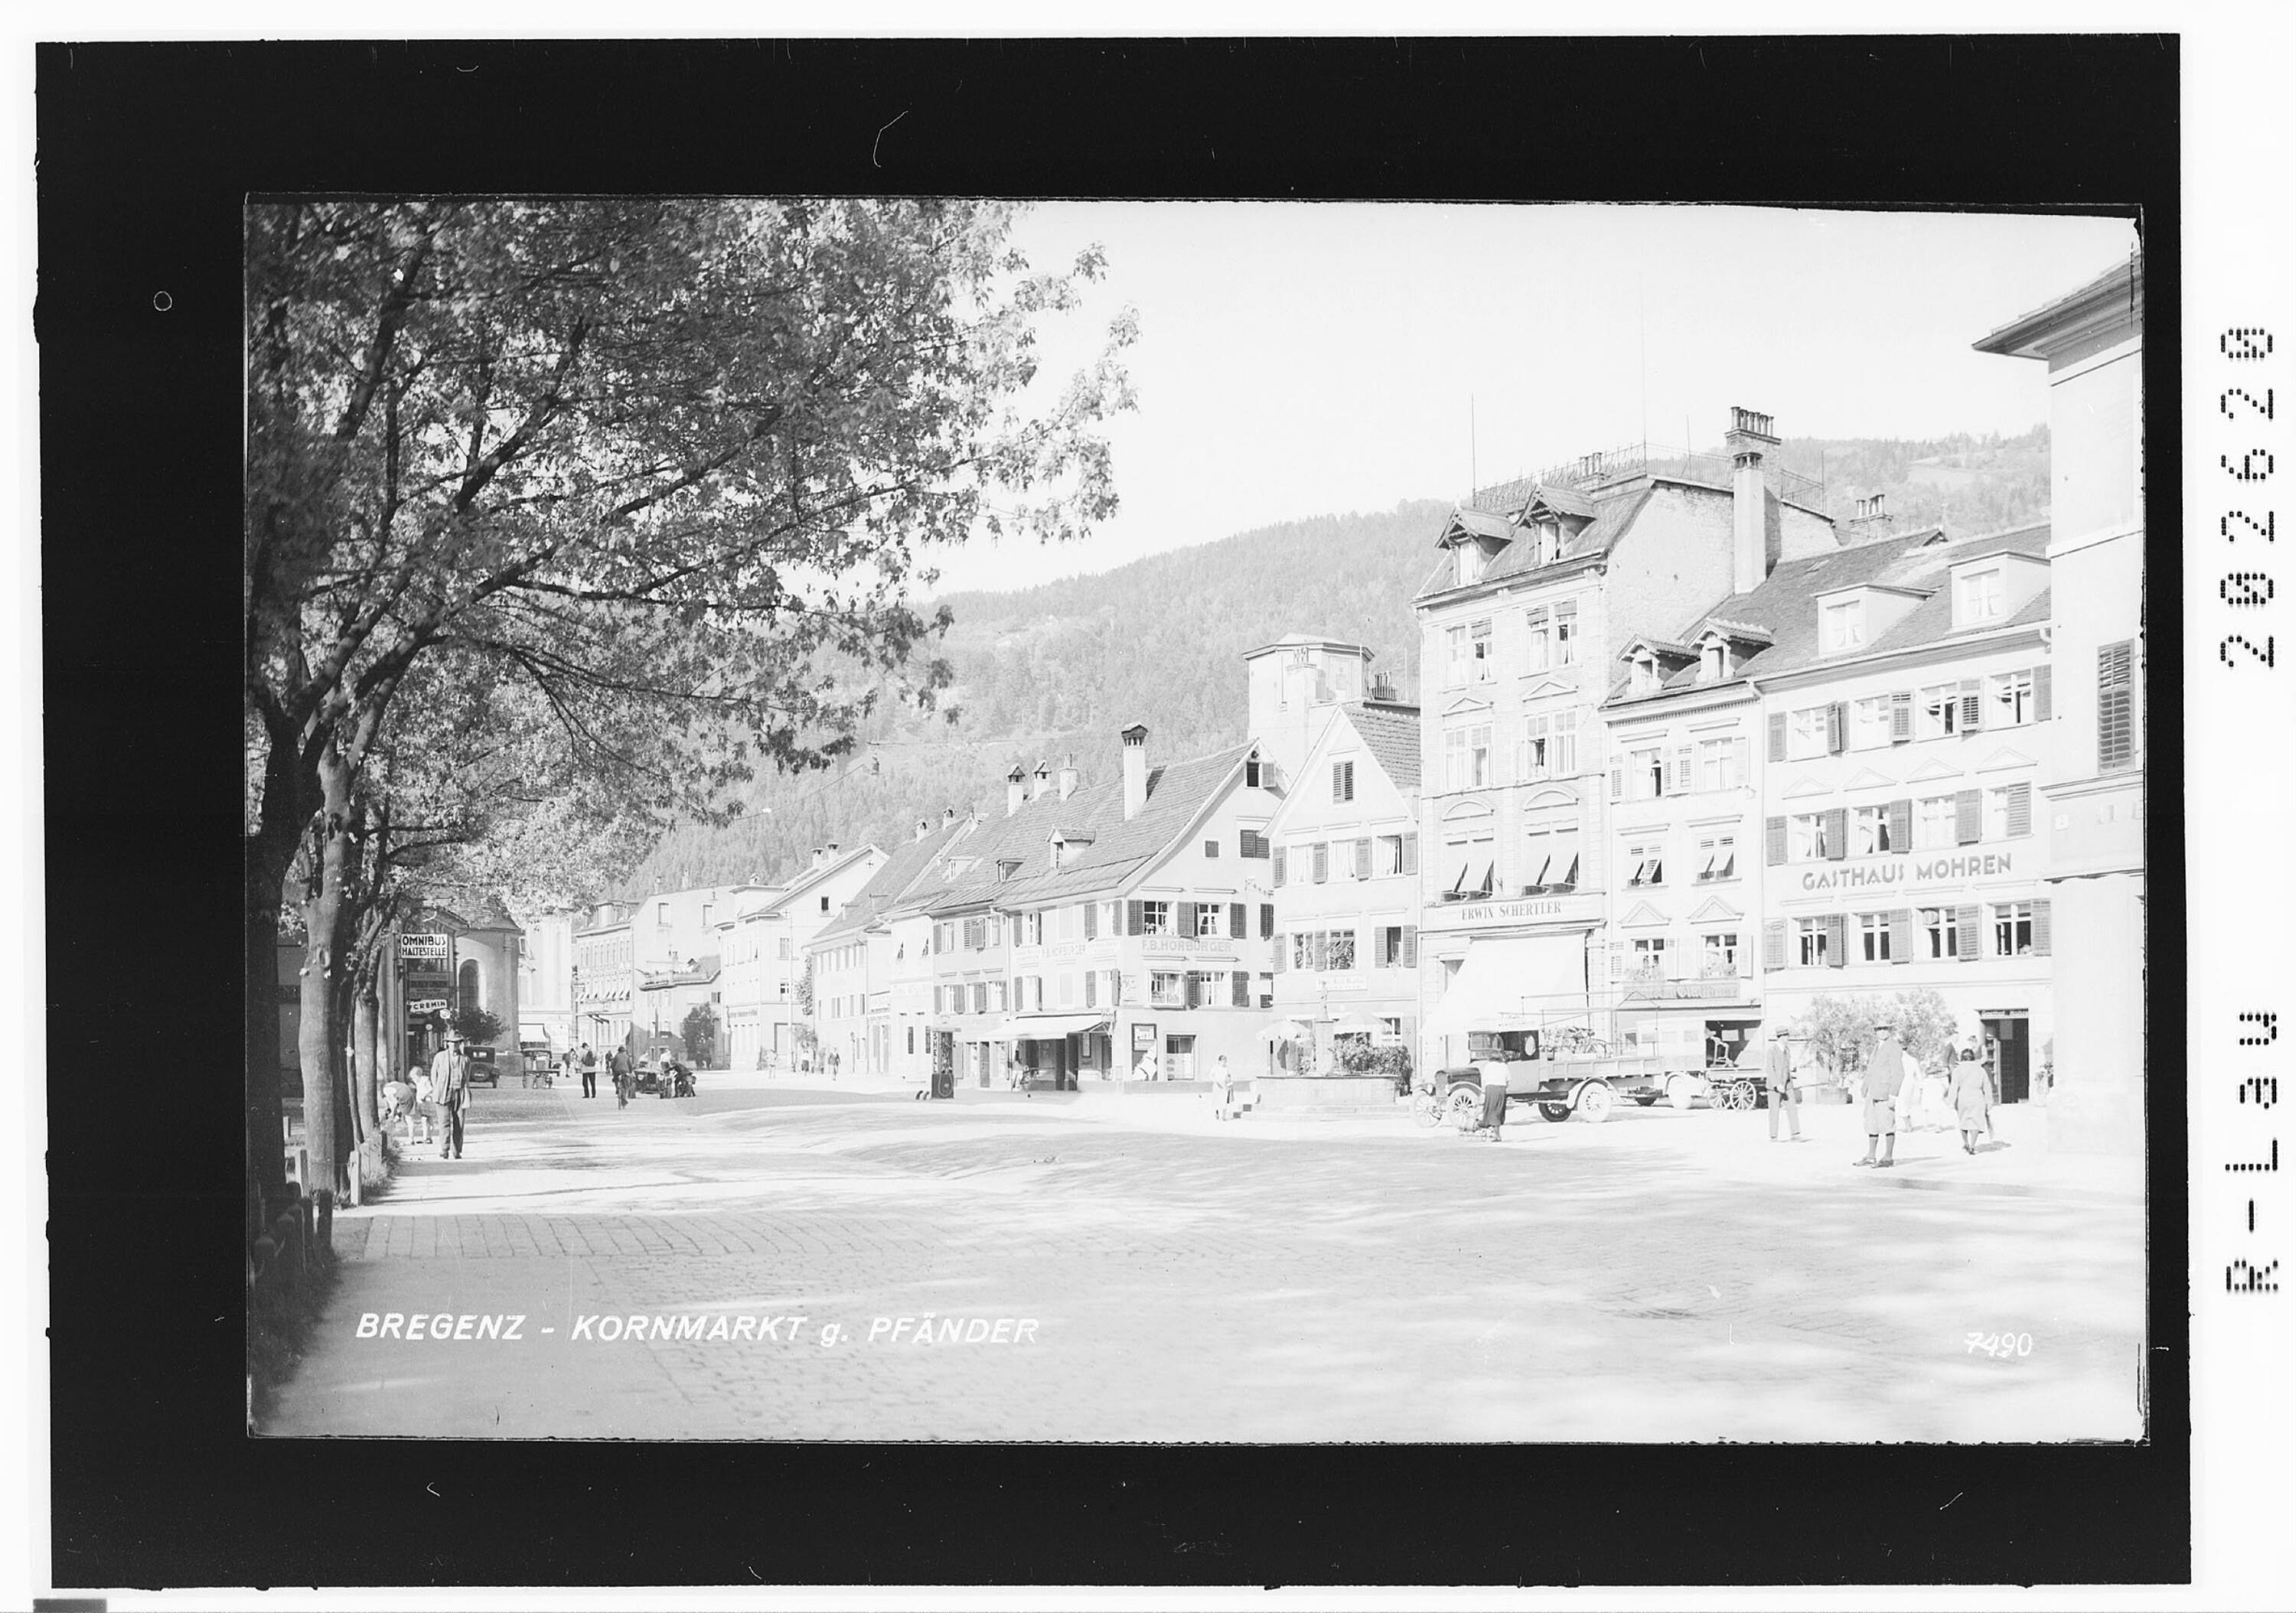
[[1783, 1094], [450, 1080], [588, 1060], [1885, 1074]]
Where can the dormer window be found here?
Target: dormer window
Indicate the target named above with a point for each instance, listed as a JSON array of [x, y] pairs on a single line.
[[1977, 596], [1843, 624], [1645, 676], [1550, 541], [1469, 556], [1006, 867], [1713, 661]]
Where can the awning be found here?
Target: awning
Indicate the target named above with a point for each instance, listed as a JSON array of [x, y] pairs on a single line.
[[1520, 983], [1050, 1027]]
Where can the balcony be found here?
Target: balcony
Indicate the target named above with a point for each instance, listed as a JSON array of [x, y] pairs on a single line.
[[1713, 982]]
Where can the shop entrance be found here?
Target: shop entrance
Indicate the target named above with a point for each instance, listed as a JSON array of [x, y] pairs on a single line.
[[1179, 1058], [2011, 1045]]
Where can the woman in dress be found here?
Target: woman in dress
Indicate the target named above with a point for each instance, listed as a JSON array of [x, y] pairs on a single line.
[[1972, 1099]]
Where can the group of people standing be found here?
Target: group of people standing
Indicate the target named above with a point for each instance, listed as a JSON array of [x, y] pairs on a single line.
[[438, 1094], [1961, 1095]]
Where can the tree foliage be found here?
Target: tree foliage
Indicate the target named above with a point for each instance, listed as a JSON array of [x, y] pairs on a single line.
[[1840, 1031], [479, 1026], [699, 1032]]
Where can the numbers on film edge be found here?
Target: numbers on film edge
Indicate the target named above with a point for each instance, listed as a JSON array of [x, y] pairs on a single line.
[[2257, 1028], [2251, 464]]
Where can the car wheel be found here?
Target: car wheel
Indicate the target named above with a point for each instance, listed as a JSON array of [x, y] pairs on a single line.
[[1556, 1112], [1464, 1107], [1594, 1100]]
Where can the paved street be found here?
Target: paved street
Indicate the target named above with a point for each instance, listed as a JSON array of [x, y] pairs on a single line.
[[1670, 1275]]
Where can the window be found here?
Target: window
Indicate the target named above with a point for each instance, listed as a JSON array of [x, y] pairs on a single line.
[[1391, 1030], [1340, 949], [1252, 843], [1550, 541], [1874, 937], [913, 1038], [2116, 705], [1566, 632], [1478, 651], [1713, 661], [1646, 774], [824, 904], [706, 910], [1806, 731], [1869, 722], [1539, 625], [1720, 949], [1806, 837], [1531, 761], [1843, 625], [1977, 596], [996, 995], [1321, 853], [1552, 863], [1933, 823], [1168, 988], [1455, 653], [1718, 857], [1156, 918], [1645, 673], [1562, 761], [1650, 957], [1343, 782], [1648, 863], [1810, 949], [2012, 697], [1395, 947], [1469, 558], [1869, 831], [1718, 764], [1941, 930], [1467, 756], [2012, 930], [979, 997], [1390, 854], [782, 944], [1937, 711], [1467, 852], [1211, 919]]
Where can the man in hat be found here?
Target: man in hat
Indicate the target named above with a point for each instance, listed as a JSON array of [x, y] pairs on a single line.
[[1885, 1074], [450, 1086], [1778, 1065]]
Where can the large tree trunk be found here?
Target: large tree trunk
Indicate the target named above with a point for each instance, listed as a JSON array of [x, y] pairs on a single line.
[[322, 912], [363, 1024], [266, 874]]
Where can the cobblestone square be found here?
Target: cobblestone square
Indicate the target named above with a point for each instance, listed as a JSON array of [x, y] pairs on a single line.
[[1671, 1275]]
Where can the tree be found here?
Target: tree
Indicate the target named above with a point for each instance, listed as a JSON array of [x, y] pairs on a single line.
[[478, 1026], [1839, 1030], [700, 1033], [670, 467]]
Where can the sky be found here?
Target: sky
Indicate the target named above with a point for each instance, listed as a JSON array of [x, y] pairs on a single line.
[[1300, 359]]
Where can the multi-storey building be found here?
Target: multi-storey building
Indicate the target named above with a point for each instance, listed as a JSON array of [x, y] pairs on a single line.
[[768, 933], [605, 978], [1345, 865], [1094, 928], [856, 957], [670, 929], [1541, 587], [2092, 780], [546, 981]]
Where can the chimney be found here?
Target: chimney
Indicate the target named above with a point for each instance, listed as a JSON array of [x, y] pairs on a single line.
[[1068, 776], [1868, 521], [831, 857], [1135, 769], [1040, 781], [947, 815], [1016, 789], [1747, 440], [1382, 688], [924, 827], [816, 856]]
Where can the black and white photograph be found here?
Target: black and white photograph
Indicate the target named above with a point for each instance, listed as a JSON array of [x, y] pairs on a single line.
[[1048, 863]]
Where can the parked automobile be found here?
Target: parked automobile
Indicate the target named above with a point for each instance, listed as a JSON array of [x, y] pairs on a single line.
[[484, 1071]]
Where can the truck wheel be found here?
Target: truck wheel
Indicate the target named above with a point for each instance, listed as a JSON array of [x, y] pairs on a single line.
[[1741, 1094], [1594, 1100], [1682, 1092], [1556, 1112], [1463, 1105]]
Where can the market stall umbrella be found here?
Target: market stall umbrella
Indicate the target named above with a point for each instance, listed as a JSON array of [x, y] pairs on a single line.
[[1288, 1030]]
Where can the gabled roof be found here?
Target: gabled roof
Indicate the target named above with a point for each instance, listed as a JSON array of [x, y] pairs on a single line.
[[1391, 734], [908, 866], [1667, 647]]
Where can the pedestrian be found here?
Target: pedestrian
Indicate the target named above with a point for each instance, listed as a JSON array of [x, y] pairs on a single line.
[[1016, 1074], [617, 1065], [1988, 1059], [1495, 1096], [1972, 1099], [1223, 1089], [1885, 1074], [450, 1084], [587, 1062], [1783, 1094]]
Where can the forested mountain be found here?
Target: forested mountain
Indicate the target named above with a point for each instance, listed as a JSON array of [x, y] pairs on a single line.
[[1056, 670]]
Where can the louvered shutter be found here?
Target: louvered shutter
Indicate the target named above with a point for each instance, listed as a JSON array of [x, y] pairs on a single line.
[[1267, 920], [1901, 716], [1411, 854], [1965, 919], [1773, 841], [1972, 706], [1837, 939], [1837, 833], [1363, 858], [1968, 817], [1778, 736], [2020, 809], [1282, 953], [1686, 770], [1618, 780], [1617, 959], [1837, 728], [1411, 945], [1092, 989], [1901, 826], [1741, 760], [1901, 936], [1092, 920], [1239, 920], [1191, 985], [1323, 862], [2116, 705], [2041, 691], [1132, 918], [1774, 945], [2041, 930], [1187, 912], [1278, 860], [1239, 995]]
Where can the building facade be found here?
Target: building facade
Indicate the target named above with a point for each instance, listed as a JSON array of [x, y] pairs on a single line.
[[546, 981], [769, 935], [605, 978], [2092, 781]]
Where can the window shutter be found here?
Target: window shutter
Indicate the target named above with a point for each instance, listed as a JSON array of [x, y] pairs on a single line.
[[2116, 705], [1617, 959], [1092, 989], [1837, 728], [1686, 765], [1411, 945], [1837, 939], [1773, 841], [1901, 716], [1618, 780], [2041, 692], [1774, 945], [1778, 736], [1278, 860], [1901, 936], [1837, 833], [1187, 920], [2041, 929], [1132, 918], [1092, 920], [1741, 762], [1282, 953], [1901, 826], [2020, 809], [1323, 862], [1972, 706], [1350, 767], [1972, 943], [1411, 854], [1239, 921], [1968, 817], [1267, 920], [1363, 858], [1239, 990]]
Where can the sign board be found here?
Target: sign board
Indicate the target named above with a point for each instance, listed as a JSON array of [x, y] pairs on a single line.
[[1524, 910], [1144, 1037], [1906, 873], [426, 949], [426, 1005]]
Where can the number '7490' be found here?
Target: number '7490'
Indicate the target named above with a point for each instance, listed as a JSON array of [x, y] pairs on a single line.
[[2001, 1347]]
